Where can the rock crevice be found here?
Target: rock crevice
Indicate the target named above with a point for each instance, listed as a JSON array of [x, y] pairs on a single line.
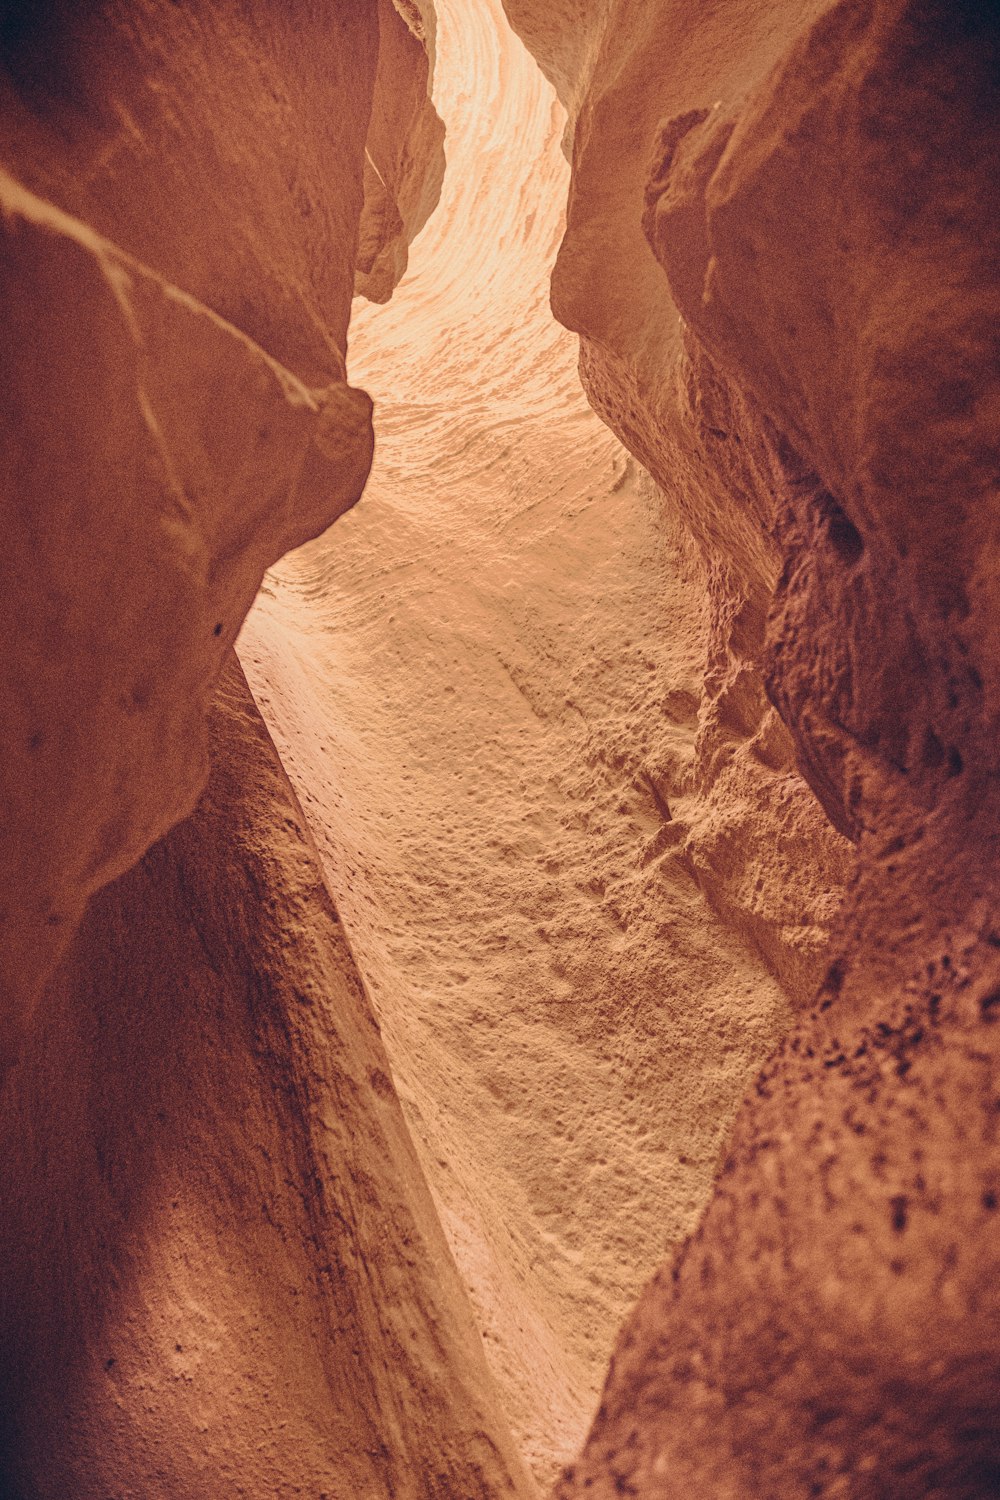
[[632, 770]]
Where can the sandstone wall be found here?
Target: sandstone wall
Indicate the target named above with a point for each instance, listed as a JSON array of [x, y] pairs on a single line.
[[781, 256], [814, 381], [206, 1172], [404, 160], [621, 65], [222, 1271], [182, 193], [484, 683]]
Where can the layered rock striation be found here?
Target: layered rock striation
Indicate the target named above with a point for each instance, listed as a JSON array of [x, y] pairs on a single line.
[[620, 68], [222, 1270], [588, 759], [404, 160]]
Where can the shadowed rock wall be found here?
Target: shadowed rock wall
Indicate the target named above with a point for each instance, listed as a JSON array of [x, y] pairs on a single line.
[[781, 256], [404, 160], [222, 1271], [181, 202], [207, 1174], [814, 380]]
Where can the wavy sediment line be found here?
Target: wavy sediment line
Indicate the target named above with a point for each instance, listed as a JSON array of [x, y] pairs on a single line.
[[484, 683]]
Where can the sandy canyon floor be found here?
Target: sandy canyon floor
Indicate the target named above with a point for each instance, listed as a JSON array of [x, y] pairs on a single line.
[[484, 681]]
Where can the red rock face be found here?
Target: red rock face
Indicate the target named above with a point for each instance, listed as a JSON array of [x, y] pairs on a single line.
[[701, 435], [487, 685], [182, 195], [831, 1329], [404, 162], [206, 1168], [158, 460], [222, 1270]]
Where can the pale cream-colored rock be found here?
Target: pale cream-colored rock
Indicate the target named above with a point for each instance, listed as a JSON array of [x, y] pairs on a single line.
[[802, 351], [222, 1271], [485, 684]]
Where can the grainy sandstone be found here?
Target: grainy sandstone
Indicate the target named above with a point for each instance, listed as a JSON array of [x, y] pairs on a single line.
[[485, 682], [621, 65], [404, 160], [781, 257], [157, 460], [223, 1274], [818, 200]]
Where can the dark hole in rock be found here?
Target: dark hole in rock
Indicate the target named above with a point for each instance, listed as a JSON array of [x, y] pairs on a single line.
[[844, 535]]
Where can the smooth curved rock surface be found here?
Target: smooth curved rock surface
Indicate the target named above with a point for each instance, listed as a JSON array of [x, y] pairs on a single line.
[[181, 201], [523, 692], [223, 1274], [404, 159], [142, 511], [832, 1327]]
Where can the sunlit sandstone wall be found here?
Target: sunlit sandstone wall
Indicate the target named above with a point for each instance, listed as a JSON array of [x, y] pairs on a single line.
[[804, 350], [182, 189], [484, 682]]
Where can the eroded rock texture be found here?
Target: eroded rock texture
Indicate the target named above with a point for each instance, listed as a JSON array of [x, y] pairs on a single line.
[[620, 66], [485, 682], [181, 207], [820, 202], [222, 1271], [207, 1174]]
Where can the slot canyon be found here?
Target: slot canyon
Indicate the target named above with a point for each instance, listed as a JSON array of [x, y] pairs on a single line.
[[499, 903]]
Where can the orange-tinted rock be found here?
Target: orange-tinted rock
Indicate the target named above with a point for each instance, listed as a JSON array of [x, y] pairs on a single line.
[[699, 434], [485, 685], [180, 215], [222, 1271], [157, 461], [222, 149], [782, 261], [404, 160], [833, 1326]]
